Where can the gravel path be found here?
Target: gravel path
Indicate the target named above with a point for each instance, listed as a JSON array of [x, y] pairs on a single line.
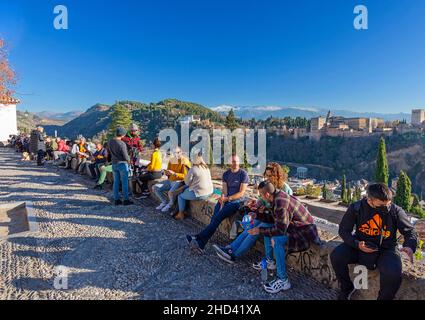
[[113, 253]]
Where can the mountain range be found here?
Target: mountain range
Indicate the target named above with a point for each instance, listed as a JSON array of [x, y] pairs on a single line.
[[264, 112]]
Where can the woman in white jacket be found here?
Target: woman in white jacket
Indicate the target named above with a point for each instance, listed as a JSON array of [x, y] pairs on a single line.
[[198, 183]]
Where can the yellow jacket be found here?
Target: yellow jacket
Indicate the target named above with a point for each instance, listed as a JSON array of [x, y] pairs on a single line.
[[180, 167], [156, 161]]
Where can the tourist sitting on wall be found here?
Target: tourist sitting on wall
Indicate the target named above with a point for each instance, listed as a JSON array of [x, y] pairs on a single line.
[[198, 183], [73, 147], [103, 171], [82, 154], [261, 213], [176, 172], [98, 159], [51, 146], [275, 174], [375, 221], [235, 183], [152, 172], [293, 227], [120, 167], [60, 154]]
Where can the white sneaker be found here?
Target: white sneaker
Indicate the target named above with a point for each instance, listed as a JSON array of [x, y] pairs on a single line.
[[271, 265], [161, 206], [277, 285], [167, 208]]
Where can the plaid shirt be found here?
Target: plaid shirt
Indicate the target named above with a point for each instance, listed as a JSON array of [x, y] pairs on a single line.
[[294, 220]]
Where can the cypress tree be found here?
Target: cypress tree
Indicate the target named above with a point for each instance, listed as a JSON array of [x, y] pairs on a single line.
[[382, 174], [325, 194], [349, 196], [344, 189], [404, 192], [120, 117], [358, 193]]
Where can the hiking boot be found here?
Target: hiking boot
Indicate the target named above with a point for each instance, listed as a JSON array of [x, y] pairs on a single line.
[[179, 216], [98, 187], [277, 285], [346, 294], [194, 245], [128, 203], [139, 196], [271, 265], [118, 202]]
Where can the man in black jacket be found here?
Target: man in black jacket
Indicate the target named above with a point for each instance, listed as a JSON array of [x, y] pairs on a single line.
[[375, 221]]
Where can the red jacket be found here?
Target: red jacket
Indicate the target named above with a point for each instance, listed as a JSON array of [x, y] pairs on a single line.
[[62, 146], [133, 142]]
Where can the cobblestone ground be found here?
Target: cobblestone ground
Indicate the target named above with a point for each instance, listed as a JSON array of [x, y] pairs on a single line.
[[113, 253]]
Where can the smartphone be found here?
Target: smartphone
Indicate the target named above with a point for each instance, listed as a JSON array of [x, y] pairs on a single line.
[[371, 246]]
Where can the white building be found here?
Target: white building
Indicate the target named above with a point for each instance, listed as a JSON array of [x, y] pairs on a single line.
[[8, 122], [302, 173], [418, 116]]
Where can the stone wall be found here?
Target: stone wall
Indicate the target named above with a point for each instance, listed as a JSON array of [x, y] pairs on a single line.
[[316, 262]]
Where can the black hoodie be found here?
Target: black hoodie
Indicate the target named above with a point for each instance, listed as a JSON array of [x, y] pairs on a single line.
[[367, 224]]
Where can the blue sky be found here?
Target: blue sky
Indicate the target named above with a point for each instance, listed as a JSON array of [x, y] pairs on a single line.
[[287, 53]]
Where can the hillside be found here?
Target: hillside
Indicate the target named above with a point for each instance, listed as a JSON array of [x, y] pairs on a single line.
[[29, 120], [331, 157], [150, 117]]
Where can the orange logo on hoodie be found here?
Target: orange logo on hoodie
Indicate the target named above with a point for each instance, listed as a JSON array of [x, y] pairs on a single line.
[[373, 227]]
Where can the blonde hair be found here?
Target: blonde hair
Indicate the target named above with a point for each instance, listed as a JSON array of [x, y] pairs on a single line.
[[199, 162]]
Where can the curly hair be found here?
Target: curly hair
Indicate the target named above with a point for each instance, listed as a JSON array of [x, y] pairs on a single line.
[[275, 175]]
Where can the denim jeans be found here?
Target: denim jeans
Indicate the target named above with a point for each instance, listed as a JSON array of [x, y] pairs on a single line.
[[279, 253], [120, 172], [245, 241], [188, 195], [229, 209], [167, 186]]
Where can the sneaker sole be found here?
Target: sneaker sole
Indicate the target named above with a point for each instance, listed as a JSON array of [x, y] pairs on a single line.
[[221, 252], [268, 290], [225, 259]]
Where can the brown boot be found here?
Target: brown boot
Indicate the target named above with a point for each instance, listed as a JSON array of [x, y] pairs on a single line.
[[179, 216]]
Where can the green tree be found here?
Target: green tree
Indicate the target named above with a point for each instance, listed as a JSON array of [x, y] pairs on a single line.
[[325, 192], [349, 196], [404, 192], [415, 200], [286, 169], [382, 174], [344, 189], [358, 193], [120, 117], [230, 121]]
